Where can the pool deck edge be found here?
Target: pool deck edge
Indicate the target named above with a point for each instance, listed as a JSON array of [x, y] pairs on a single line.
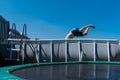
[[5, 72]]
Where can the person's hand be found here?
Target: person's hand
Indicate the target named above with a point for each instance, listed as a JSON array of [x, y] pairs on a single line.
[[91, 26]]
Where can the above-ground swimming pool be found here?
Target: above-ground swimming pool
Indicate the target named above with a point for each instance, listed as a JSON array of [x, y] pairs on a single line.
[[63, 71]]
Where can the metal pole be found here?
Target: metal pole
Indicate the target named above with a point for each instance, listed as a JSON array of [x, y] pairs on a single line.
[[79, 51], [23, 52], [94, 50], [108, 48], [66, 50], [24, 30], [11, 50], [51, 51], [37, 52], [13, 29]]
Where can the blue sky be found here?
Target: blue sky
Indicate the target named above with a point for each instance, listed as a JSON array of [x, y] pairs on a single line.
[[53, 19]]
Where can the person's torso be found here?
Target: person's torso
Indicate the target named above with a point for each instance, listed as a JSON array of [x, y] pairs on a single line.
[[76, 32]]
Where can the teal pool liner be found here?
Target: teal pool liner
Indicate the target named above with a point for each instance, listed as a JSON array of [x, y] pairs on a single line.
[[5, 72]]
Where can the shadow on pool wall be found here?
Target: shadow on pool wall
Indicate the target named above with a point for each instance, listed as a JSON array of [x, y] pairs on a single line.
[[117, 57]]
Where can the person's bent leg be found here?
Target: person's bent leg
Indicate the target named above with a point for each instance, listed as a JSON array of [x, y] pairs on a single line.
[[69, 36]]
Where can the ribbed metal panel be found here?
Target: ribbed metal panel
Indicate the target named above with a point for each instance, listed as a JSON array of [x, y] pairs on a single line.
[[67, 50]]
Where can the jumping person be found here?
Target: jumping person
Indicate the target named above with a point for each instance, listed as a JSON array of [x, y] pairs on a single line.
[[79, 32]]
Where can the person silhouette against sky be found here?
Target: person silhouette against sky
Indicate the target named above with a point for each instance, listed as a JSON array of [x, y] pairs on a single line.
[[79, 32]]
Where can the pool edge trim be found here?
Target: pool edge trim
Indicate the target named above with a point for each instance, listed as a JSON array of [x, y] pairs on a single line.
[[6, 71]]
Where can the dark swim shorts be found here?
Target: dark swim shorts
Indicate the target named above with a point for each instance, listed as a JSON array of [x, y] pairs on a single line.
[[76, 32]]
